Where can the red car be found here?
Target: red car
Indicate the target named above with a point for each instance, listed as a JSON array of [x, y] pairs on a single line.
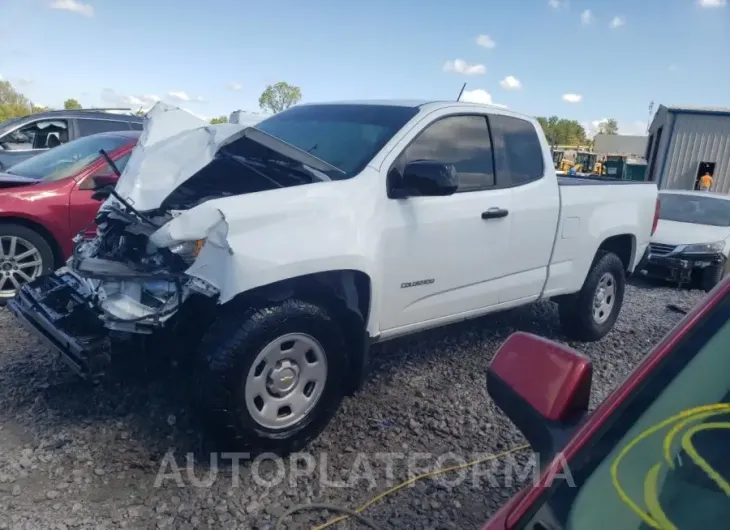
[[654, 455], [46, 200]]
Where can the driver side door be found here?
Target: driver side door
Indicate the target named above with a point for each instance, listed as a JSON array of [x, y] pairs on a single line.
[[82, 208]]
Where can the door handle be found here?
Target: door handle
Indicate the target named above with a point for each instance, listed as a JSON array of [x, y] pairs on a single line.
[[495, 213]]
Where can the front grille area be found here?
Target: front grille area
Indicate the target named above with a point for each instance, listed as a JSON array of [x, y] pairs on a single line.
[[660, 249]]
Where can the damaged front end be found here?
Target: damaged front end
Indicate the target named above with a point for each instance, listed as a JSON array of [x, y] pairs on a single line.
[[132, 278]]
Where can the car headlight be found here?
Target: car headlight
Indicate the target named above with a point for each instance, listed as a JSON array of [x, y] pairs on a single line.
[[188, 249], [702, 248]]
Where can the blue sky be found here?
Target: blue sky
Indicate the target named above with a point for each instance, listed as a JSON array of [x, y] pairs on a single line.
[[216, 56]]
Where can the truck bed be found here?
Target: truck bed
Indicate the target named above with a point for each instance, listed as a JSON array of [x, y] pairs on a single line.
[[596, 181]]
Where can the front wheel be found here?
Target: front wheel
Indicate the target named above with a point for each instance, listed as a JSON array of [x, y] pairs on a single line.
[[591, 313], [273, 377], [712, 275], [24, 255]]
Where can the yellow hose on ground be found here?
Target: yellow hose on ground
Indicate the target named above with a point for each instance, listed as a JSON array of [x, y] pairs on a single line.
[[410, 481]]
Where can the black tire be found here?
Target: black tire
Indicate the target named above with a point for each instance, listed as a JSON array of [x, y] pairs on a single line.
[[227, 353], [711, 276], [576, 312], [35, 239]]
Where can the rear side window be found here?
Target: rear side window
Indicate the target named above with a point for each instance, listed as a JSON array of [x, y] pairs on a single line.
[[136, 126], [88, 127], [519, 150], [462, 141]]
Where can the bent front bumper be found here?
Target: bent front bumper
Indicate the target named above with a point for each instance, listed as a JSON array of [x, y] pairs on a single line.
[[56, 308], [679, 267]]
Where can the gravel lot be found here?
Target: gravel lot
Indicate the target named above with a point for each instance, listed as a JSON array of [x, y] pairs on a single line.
[[79, 456]]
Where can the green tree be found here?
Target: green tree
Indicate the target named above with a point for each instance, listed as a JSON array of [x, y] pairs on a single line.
[[608, 127], [561, 131], [140, 112], [12, 103], [219, 119], [279, 96], [71, 104]]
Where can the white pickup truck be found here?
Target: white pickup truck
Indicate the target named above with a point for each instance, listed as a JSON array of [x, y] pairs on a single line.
[[285, 250]]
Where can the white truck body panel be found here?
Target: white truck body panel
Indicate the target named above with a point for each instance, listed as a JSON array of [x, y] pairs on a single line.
[[463, 265]]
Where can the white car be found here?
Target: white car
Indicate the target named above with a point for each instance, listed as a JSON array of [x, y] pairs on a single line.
[[692, 239], [292, 246]]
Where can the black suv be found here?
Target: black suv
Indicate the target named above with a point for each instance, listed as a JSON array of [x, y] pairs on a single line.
[[25, 137]]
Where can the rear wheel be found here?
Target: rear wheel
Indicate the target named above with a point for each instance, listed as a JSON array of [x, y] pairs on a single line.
[[24, 255], [273, 377], [591, 313]]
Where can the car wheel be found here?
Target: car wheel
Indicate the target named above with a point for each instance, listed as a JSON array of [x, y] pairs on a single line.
[[24, 255], [711, 276], [591, 313], [272, 378]]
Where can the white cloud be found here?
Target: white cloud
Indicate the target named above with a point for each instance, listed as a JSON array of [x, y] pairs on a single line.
[[462, 67], [617, 22], [586, 17], [572, 98], [510, 83], [25, 81], [486, 41], [558, 4], [712, 3], [145, 102], [479, 95], [234, 85], [86, 10], [181, 96]]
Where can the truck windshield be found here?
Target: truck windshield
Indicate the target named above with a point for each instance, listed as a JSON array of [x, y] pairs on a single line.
[[68, 159], [694, 209], [347, 136], [661, 460]]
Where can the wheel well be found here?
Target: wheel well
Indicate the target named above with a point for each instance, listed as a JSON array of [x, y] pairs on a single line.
[[345, 293], [622, 246], [42, 231]]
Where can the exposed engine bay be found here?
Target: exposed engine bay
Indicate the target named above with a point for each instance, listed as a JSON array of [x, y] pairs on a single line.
[[141, 266]]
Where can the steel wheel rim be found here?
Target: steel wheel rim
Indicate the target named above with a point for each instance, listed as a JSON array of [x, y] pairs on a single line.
[[286, 381], [604, 298], [20, 262]]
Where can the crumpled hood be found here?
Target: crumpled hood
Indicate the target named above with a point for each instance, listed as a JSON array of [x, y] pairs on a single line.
[[172, 148]]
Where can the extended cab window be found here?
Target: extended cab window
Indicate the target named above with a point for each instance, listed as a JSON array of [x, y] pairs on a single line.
[[462, 141], [662, 461], [518, 149]]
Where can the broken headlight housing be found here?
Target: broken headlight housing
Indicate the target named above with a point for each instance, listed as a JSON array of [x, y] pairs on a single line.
[[188, 250], [703, 248]]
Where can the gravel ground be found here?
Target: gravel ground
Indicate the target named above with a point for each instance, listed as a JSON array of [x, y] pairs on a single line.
[[74, 455]]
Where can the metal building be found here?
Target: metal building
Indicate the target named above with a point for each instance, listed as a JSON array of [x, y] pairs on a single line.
[[686, 142]]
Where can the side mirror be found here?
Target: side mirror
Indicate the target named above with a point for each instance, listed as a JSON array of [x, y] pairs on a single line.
[[102, 181], [103, 185], [428, 178], [543, 387]]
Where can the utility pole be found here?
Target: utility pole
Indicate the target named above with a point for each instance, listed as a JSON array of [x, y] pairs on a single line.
[[648, 122]]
